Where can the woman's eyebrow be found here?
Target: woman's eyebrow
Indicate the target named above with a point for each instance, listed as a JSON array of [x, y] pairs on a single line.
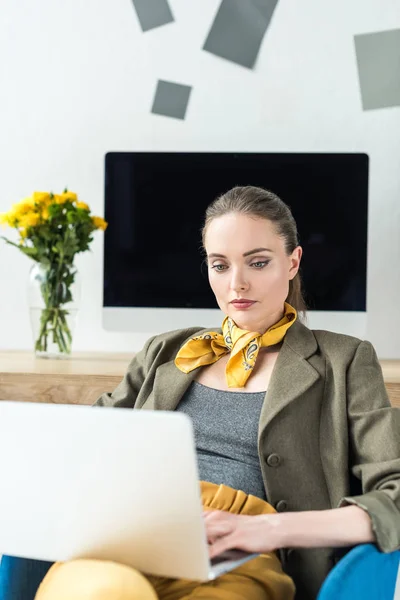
[[255, 251]]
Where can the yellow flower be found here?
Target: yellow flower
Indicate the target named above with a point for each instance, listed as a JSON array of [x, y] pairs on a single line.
[[21, 211], [82, 206], [25, 207], [14, 211], [12, 216], [4, 219], [41, 198], [99, 223], [45, 214], [71, 196], [29, 220], [23, 233]]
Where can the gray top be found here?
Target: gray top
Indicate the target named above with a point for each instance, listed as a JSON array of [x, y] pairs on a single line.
[[226, 429]]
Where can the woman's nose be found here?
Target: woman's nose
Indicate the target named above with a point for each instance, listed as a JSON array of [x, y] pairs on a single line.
[[238, 282]]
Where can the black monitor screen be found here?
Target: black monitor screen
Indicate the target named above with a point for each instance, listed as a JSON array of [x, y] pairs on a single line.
[[155, 204]]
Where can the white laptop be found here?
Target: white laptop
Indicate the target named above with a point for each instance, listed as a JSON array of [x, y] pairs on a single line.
[[105, 483]]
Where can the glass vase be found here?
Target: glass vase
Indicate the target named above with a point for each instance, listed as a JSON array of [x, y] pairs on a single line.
[[53, 297]]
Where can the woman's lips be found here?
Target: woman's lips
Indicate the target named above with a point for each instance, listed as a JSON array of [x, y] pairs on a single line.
[[242, 304]]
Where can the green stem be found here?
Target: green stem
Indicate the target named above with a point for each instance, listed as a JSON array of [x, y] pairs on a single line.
[[55, 292]]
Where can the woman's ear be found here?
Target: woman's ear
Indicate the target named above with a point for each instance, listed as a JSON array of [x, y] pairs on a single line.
[[294, 262]]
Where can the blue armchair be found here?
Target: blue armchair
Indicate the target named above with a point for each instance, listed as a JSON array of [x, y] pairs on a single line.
[[363, 574], [21, 577]]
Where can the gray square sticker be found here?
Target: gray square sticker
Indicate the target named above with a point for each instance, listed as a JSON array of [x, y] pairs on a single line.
[[238, 30], [153, 13], [171, 99], [378, 61]]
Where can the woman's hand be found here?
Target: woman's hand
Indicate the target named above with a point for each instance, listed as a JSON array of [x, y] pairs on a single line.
[[250, 533], [336, 527]]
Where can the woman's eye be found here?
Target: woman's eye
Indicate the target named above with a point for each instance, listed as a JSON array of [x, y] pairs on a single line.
[[219, 268], [259, 264]]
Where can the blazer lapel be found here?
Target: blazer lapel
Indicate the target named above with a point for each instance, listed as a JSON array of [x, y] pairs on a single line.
[[292, 376], [170, 384]]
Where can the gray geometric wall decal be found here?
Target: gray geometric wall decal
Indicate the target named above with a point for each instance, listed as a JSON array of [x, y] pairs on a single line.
[[171, 99], [153, 13], [238, 30], [378, 61]]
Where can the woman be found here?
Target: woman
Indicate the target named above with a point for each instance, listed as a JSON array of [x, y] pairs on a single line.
[[294, 417]]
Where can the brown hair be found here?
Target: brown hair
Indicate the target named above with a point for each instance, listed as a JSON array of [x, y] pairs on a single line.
[[262, 204]]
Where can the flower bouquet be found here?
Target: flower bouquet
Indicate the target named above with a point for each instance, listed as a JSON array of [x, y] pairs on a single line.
[[52, 229]]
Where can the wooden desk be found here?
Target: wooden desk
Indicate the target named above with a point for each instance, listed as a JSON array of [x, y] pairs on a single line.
[[82, 378]]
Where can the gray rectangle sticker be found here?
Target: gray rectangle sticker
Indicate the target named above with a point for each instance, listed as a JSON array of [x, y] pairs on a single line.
[[153, 13], [238, 30]]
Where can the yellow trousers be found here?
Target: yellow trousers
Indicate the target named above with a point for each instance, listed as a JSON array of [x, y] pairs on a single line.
[[261, 578]]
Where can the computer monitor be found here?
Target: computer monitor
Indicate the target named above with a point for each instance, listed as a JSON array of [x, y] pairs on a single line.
[[154, 272]]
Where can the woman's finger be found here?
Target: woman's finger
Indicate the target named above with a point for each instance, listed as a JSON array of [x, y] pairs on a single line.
[[217, 529], [221, 545], [213, 514]]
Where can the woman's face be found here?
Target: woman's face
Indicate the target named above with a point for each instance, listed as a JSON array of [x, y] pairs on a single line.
[[249, 270]]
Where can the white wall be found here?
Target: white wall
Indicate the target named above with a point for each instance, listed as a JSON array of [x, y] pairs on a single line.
[[77, 80]]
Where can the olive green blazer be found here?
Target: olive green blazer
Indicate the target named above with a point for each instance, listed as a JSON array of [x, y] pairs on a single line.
[[328, 435]]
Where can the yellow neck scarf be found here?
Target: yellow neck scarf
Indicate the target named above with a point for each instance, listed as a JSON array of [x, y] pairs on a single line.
[[243, 345]]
